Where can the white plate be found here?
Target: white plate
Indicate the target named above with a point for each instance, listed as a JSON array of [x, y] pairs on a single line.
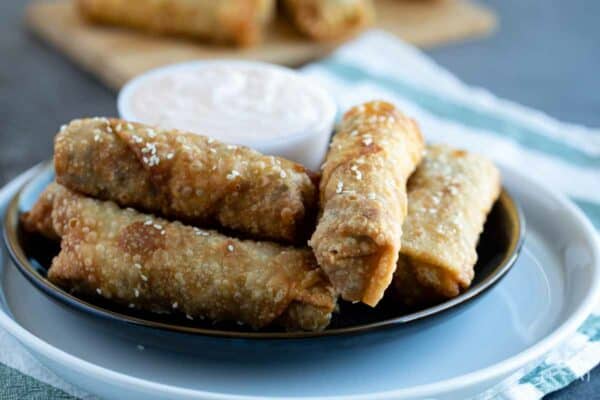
[[545, 297]]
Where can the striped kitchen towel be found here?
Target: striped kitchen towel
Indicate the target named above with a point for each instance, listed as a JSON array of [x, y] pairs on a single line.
[[379, 66]]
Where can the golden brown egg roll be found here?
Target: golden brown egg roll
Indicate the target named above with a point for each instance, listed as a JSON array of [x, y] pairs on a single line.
[[148, 263], [363, 199], [449, 197], [329, 19], [239, 22], [187, 177]]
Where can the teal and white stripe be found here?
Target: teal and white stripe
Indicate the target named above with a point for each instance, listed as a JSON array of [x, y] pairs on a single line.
[[564, 156]]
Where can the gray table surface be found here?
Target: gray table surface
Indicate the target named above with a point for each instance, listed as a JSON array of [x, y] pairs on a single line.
[[546, 55]]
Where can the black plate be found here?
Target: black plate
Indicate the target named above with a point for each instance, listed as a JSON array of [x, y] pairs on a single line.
[[498, 249]]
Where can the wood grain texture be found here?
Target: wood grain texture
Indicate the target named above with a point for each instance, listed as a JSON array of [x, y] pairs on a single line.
[[115, 55]]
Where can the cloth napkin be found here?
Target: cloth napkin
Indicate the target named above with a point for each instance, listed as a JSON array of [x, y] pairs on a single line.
[[379, 66]]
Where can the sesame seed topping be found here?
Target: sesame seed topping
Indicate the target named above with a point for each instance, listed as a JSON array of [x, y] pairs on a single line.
[[170, 156], [131, 305], [138, 266], [367, 140], [175, 305], [231, 147], [188, 316], [63, 128], [98, 290], [212, 150], [129, 126], [140, 347], [358, 174], [340, 187], [148, 222], [282, 174], [210, 140], [372, 196], [151, 133], [157, 226], [136, 292], [163, 232], [144, 277], [230, 248], [96, 138], [231, 176], [200, 232], [119, 127]]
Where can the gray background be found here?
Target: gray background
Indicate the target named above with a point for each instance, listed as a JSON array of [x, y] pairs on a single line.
[[546, 55]]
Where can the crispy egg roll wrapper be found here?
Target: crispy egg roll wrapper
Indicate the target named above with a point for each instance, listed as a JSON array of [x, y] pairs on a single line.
[[449, 197], [148, 263], [187, 177], [363, 199], [239, 22], [329, 19]]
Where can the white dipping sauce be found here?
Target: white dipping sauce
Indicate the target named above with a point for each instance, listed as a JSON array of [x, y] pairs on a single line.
[[266, 107]]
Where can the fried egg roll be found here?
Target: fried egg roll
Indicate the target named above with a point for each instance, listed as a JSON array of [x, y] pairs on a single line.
[[449, 197], [187, 177], [329, 19], [148, 263], [240, 22], [363, 199]]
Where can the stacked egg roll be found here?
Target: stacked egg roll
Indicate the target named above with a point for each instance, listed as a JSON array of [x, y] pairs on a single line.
[[151, 264], [363, 199], [188, 177], [329, 19], [239, 22], [449, 197]]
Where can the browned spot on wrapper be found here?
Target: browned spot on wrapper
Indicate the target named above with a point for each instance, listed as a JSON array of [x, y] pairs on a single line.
[[140, 238]]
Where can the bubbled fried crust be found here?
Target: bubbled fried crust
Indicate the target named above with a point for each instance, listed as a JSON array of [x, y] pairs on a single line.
[[330, 19], [185, 176], [148, 263], [449, 197], [239, 22], [363, 199]]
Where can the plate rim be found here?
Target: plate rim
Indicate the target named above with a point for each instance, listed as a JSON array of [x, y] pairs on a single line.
[[504, 367], [56, 293]]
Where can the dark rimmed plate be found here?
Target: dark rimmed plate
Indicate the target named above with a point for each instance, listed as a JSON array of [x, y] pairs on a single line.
[[498, 249]]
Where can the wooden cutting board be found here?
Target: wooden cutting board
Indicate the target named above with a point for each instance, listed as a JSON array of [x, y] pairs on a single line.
[[116, 55]]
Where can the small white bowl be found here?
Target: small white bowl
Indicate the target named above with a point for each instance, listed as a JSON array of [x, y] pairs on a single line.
[[306, 141]]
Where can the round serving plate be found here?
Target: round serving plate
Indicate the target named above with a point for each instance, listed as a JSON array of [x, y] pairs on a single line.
[[548, 293], [498, 249]]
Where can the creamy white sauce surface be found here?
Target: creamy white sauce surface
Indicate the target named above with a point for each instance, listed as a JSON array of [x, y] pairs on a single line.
[[238, 103]]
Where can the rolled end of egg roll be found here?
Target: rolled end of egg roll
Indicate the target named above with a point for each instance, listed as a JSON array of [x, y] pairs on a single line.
[[449, 197], [147, 263], [188, 177], [330, 19], [363, 199], [240, 22]]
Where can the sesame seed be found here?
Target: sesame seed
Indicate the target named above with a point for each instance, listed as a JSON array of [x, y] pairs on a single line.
[[200, 232], [210, 140], [340, 187], [169, 156], [175, 305], [282, 174], [137, 139], [230, 248], [129, 126], [140, 347], [212, 150], [231, 176], [131, 305], [157, 226], [96, 138], [163, 232], [372, 196], [136, 292], [354, 133], [148, 222], [63, 128], [119, 127], [151, 132], [231, 147], [144, 277], [99, 291], [138, 266], [188, 316], [239, 323], [367, 140]]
